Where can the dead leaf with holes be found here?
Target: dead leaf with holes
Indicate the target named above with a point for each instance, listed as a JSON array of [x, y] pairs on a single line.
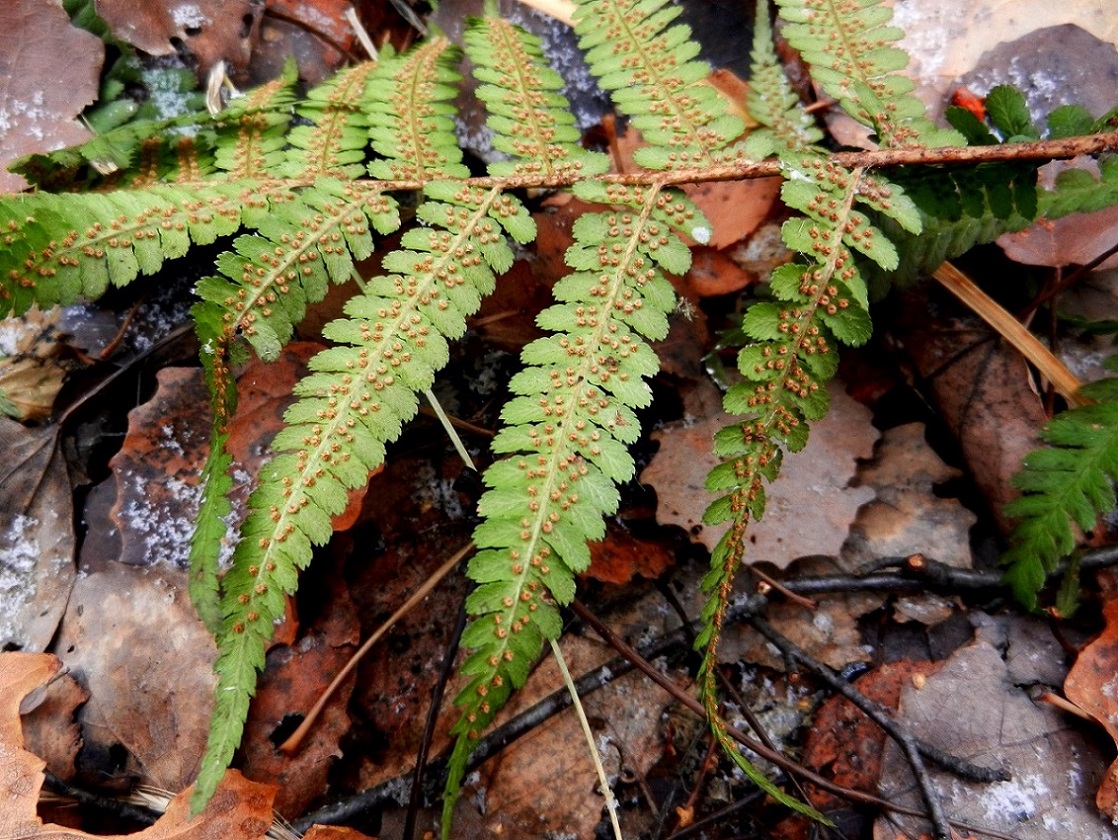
[[812, 491], [36, 536], [239, 810], [202, 31], [40, 96], [294, 678]]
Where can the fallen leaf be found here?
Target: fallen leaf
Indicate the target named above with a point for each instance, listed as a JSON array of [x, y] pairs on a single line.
[[36, 537], [712, 273], [31, 366], [812, 491], [1093, 687], [239, 810], [316, 33], [206, 30], [844, 745], [981, 388], [544, 783], [906, 516], [133, 640], [157, 469], [1076, 239], [294, 678], [40, 96], [970, 708], [50, 728], [829, 631], [621, 556]]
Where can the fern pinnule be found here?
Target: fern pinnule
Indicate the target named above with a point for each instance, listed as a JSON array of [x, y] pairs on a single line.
[[409, 112], [259, 122], [336, 137], [771, 100]]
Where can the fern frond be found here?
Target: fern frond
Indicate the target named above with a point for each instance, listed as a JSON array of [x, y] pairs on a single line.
[[361, 392], [258, 122], [847, 44], [108, 239], [650, 72], [1070, 483], [409, 111], [564, 439], [335, 140]]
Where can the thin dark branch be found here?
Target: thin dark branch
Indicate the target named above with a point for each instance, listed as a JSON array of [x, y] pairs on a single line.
[[105, 804], [913, 748], [429, 725]]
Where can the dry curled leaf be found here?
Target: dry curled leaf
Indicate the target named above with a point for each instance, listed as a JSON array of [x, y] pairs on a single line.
[[241, 810]]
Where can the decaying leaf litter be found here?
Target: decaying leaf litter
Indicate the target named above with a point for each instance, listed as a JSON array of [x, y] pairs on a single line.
[[127, 606]]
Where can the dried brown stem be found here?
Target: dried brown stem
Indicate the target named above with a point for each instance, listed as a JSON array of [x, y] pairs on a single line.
[[1063, 380], [293, 743]]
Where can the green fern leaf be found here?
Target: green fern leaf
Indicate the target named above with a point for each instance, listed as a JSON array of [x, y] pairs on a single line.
[[648, 67], [564, 444], [361, 392], [847, 45], [771, 100], [410, 126], [532, 122], [334, 141], [1071, 483]]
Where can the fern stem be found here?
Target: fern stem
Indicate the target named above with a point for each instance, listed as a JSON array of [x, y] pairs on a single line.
[[595, 756], [1065, 382]]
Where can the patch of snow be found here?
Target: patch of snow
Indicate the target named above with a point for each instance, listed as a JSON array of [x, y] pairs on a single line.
[[189, 16], [164, 524], [18, 554], [1021, 798]]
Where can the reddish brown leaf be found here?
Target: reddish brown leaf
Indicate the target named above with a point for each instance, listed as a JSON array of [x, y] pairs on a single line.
[[49, 726], [1072, 240], [620, 557], [208, 30], [41, 96], [1092, 686], [295, 677]]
